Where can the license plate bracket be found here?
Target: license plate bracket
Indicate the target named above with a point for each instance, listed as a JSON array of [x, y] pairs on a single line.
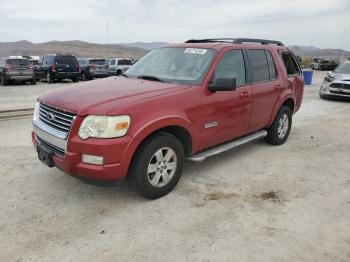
[[45, 156]]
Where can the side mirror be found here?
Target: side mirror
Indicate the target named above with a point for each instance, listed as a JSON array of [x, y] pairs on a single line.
[[222, 84]]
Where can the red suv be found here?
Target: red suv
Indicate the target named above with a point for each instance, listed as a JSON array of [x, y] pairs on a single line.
[[184, 101]]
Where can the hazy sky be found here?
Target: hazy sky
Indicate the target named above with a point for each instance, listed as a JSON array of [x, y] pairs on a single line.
[[303, 22]]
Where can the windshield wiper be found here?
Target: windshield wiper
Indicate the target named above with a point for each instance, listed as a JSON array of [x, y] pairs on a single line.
[[151, 78]]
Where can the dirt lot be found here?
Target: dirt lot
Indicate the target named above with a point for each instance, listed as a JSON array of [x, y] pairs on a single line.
[[257, 203]]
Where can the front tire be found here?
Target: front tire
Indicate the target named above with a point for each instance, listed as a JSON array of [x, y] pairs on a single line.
[[278, 132], [157, 165]]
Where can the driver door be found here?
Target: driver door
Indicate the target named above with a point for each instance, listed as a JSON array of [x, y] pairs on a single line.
[[226, 114]]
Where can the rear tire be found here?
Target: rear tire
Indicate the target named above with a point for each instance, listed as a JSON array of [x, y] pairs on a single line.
[[157, 165], [278, 132], [49, 78], [3, 81], [33, 81], [119, 73], [84, 77], [75, 80]]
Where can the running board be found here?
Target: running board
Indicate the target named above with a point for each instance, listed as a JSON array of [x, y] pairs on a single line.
[[202, 156]]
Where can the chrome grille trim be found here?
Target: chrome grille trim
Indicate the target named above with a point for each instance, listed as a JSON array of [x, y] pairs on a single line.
[[44, 135], [57, 119]]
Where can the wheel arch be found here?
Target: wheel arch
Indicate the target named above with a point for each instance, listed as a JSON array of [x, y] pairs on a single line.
[[289, 101], [178, 127]]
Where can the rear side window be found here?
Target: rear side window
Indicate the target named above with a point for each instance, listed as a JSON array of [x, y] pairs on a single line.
[[259, 66], [290, 63], [17, 62], [124, 62], [272, 67], [70, 60], [232, 65]]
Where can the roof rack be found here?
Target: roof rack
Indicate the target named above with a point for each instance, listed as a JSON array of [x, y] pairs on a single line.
[[236, 41]]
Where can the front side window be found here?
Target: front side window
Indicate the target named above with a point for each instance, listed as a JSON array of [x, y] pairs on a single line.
[[259, 65], [174, 65], [290, 63], [232, 65]]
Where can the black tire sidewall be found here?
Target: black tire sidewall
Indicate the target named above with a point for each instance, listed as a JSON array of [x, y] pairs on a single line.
[[272, 136], [141, 161]]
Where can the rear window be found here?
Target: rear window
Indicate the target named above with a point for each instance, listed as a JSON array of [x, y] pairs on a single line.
[[124, 62], [98, 61], [70, 60], [17, 62], [259, 65]]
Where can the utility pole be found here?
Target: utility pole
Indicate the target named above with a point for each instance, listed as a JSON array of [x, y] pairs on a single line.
[[107, 41]]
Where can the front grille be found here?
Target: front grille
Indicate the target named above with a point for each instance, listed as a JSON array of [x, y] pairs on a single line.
[[56, 118], [340, 86]]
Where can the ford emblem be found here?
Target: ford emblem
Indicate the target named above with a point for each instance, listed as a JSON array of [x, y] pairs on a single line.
[[50, 116]]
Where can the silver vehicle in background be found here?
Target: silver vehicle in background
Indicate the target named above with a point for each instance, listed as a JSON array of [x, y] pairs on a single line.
[[118, 66], [16, 70], [337, 83]]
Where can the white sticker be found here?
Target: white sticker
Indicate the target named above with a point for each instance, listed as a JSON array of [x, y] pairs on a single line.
[[196, 51]]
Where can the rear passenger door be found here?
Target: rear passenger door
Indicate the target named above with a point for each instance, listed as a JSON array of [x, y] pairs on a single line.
[[226, 114], [266, 86]]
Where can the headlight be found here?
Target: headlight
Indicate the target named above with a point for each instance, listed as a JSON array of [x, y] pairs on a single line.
[[36, 111], [104, 126]]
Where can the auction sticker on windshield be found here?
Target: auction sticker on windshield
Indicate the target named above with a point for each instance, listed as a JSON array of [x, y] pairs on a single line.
[[196, 51]]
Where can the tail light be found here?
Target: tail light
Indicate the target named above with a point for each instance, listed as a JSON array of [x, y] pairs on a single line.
[[92, 66], [7, 67], [53, 68]]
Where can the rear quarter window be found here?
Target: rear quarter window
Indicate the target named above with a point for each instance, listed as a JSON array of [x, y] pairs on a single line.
[[290, 63]]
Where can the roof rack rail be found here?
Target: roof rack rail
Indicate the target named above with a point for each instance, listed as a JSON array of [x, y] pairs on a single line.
[[236, 41]]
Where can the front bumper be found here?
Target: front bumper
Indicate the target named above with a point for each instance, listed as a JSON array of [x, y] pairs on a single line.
[[67, 155], [327, 90]]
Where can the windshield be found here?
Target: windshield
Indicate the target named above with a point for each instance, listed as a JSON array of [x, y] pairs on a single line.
[[17, 62], [343, 69], [173, 65]]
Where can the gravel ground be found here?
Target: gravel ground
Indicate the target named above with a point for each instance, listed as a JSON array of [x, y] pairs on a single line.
[[257, 203]]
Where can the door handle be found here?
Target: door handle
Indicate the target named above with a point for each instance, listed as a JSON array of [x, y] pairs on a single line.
[[278, 86], [244, 94]]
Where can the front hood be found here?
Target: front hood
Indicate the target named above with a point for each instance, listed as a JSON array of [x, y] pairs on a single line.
[[340, 77], [105, 95]]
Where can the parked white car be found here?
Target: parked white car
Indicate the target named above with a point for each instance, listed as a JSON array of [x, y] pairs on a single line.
[[337, 83], [118, 66]]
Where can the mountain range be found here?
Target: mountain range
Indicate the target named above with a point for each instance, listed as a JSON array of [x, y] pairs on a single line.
[[132, 50]]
